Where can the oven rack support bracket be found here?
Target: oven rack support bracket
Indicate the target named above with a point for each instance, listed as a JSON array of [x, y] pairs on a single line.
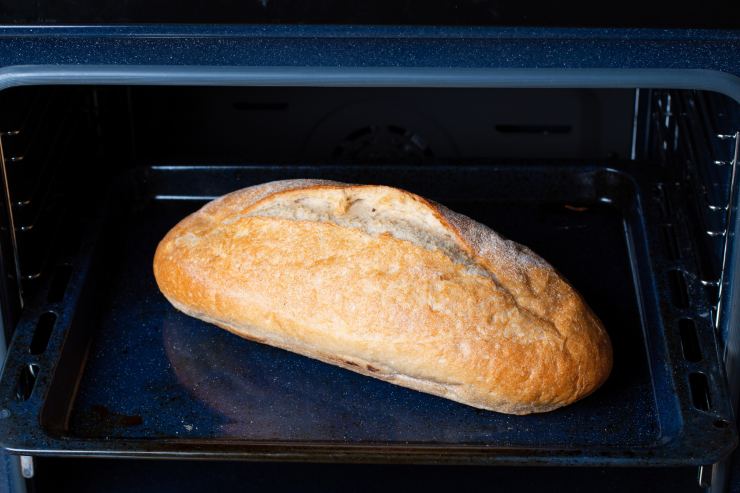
[[729, 214], [706, 474], [9, 207]]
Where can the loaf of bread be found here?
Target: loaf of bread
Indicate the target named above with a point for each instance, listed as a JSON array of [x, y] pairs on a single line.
[[387, 284]]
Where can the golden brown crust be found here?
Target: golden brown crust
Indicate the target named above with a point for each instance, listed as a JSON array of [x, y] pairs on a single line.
[[508, 334]]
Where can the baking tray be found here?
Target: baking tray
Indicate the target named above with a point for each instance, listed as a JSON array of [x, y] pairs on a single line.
[[125, 374]]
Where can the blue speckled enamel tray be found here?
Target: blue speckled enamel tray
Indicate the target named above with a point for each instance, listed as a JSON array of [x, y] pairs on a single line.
[[125, 374]]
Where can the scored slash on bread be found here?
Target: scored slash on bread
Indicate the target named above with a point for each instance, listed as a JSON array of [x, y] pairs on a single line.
[[385, 283]]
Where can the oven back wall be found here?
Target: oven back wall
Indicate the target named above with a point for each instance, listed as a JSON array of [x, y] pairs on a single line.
[[383, 125]]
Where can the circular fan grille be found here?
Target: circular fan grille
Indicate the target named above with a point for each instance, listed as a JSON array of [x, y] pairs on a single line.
[[383, 144]]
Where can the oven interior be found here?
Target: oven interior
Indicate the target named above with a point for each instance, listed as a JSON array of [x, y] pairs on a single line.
[[95, 175]]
